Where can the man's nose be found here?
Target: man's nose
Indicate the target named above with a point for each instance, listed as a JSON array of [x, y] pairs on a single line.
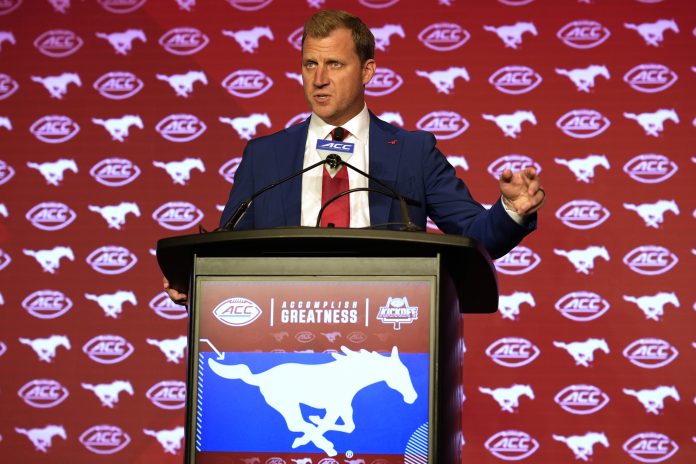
[[320, 77]]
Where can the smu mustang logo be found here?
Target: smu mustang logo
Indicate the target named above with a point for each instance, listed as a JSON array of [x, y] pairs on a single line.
[[653, 213], [180, 171], [443, 80], [45, 348], [509, 398], [444, 37], [118, 85], [57, 86], [653, 399], [246, 126], [511, 124], [584, 78], [7, 36], [512, 35], [509, 305], [112, 303], [654, 123], [653, 306], [170, 439], [49, 259], [119, 127], [583, 352], [653, 33], [122, 42], [173, 348], [584, 168], [582, 445], [249, 39], [42, 438], [53, 171], [581, 399], [286, 386], [183, 83], [115, 215], [108, 393]]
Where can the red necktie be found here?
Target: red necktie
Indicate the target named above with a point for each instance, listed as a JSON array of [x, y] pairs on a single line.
[[338, 212]]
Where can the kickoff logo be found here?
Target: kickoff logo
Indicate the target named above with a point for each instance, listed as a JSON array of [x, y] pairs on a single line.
[[515, 80], [177, 215], [582, 214], [54, 129], [583, 34], [237, 312], [519, 260], [650, 447], [51, 216], [183, 41], [115, 172], [118, 85], [6, 172], [512, 352], [511, 445], [47, 304], [58, 43], [650, 78], [444, 37], [247, 83], [104, 439], [8, 86], [181, 128], [43, 393], [384, 82], [582, 306], [111, 260], [121, 6], [168, 394], [108, 349], [229, 169], [444, 125], [165, 308], [583, 124], [512, 162], [650, 353], [581, 399], [249, 5], [650, 168], [650, 260]]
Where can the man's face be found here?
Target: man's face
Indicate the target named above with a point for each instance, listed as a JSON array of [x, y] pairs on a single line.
[[333, 76]]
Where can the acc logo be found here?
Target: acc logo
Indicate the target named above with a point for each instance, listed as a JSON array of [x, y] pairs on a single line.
[[650, 78], [581, 399], [650, 260], [114, 172], [444, 125], [104, 439], [582, 214], [582, 306], [384, 82], [583, 34], [43, 393], [650, 353], [168, 394], [333, 461], [275, 460], [247, 83], [650, 168], [8, 6], [111, 260], [512, 162], [295, 38], [6, 172], [5, 259], [47, 304], [164, 307], [58, 43], [180, 127], [583, 124], [650, 447], [397, 311], [515, 80], [54, 129], [512, 352], [51, 216], [443, 37], [177, 215], [121, 6], [8, 86], [377, 4], [237, 312], [118, 85], [305, 336], [228, 170], [511, 445], [183, 41], [356, 337], [249, 5], [108, 349], [519, 260]]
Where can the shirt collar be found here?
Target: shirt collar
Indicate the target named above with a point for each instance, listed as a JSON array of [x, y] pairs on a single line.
[[358, 127]]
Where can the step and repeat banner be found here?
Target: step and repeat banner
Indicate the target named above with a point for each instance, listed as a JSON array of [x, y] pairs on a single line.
[[123, 121]]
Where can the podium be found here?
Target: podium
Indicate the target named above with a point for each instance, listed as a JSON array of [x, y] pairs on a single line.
[[326, 346]]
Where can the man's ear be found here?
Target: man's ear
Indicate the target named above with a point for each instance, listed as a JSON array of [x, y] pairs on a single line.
[[369, 69]]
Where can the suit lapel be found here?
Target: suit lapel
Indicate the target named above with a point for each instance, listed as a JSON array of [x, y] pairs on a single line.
[[289, 159], [385, 154]]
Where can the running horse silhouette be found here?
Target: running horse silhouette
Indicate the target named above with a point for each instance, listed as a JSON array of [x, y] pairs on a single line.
[[654, 399], [45, 348], [584, 168], [54, 171], [286, 386], [112, 303], [653, 213], [583, 352], [169, 439], [584, 78], [582, 445], [49, 260], [511, 124], [57, 86], [249, 39], [653, 33], [246, 126], [123, 41], [183, 83], [180, 171], [115, 215], [119, 127], [654, 123], [509, 398], [384, 33], [583, 260], [7, 36], [42, 438], [444, 80], [108, 392], [653, 306], [512, 35], [5, 122], [509, 305]]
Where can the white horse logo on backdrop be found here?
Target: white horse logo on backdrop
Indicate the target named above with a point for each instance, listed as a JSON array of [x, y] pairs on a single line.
[[511, 124], [169, 439], [42, 438], [509, 398], [7, 36], [286, 386], [509, 305], [444, 80], [582, 445], [123, 41], [383, 35], [584, 168], [654, 306], [583, 260], [584, 78], [50, 259], [4, 212], [653, 399], [653, 33], [119, 127], [112, 303], [249, 39], [183, 83], [54, 171], [392, 117], [61, 6], [654, 123], [180, 171], [5, 122], [297, 77], [583, 352], [57, 86], [186, 5], [108, 392], [115, 215], [246, 126], [46, 348], [654, 213], [512, 35], [173, 348]]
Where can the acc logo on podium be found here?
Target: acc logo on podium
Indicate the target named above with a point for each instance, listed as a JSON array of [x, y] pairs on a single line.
[[237, 312]]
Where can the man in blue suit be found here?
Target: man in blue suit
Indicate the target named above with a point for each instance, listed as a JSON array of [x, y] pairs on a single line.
[[337, 63]]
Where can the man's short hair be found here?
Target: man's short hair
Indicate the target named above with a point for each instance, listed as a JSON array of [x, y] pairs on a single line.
[[324, 22]]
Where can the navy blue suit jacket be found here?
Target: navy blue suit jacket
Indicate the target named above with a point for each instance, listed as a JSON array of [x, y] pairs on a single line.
[[406, 160]]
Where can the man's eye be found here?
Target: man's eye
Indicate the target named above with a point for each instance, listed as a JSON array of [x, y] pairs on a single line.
[[310, 65]]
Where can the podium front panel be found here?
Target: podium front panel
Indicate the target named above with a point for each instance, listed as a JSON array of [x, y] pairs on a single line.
[[313, 360]]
